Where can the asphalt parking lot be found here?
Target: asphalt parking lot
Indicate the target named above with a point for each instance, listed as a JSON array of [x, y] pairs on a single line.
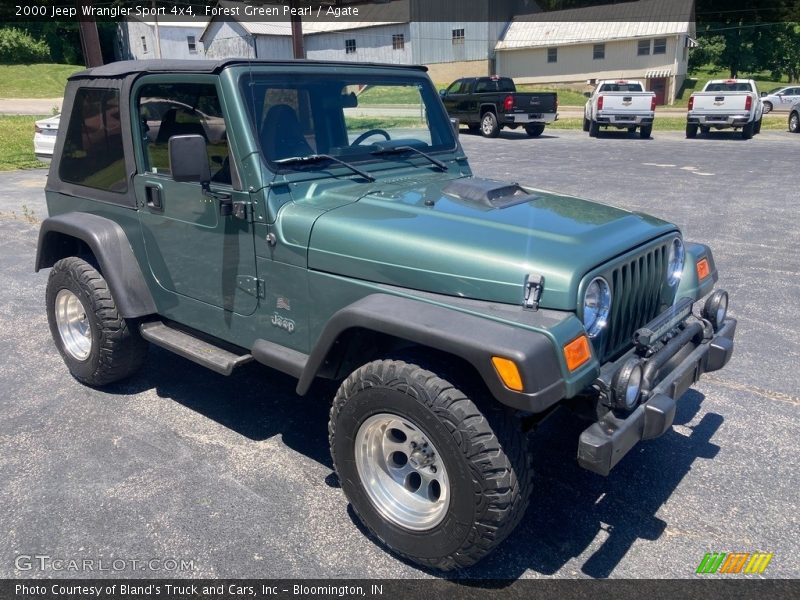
[[234, 473]]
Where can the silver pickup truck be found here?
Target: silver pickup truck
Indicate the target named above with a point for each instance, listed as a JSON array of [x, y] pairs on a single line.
[[725, 104]]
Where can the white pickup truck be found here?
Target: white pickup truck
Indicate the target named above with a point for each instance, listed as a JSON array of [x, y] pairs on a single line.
[[725, 104], [622, 104]]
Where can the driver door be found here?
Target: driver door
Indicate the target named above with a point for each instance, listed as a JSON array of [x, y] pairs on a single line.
[[194, 252]]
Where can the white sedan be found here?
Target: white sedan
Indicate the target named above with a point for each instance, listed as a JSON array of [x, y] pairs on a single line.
[[44, 138], [781, 99]]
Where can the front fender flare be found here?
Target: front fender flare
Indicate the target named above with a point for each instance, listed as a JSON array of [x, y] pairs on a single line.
[[110, 246], [468, 336]]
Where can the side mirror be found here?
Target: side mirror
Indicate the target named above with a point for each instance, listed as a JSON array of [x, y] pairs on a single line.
[[188, 159], [456, 125], [443, 93], [763, 94], [587, 94]]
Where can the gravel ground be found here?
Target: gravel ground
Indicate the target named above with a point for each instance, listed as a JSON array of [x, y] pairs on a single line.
[[234, 473]]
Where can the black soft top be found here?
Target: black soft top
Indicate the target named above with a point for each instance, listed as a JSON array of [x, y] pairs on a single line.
[[129, 67]]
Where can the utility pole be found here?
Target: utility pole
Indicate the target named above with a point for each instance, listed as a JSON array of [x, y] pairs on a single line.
[[90, 40], [297, 33], [157, 32]]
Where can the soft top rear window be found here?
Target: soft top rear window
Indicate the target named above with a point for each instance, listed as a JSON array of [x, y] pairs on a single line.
[[93, 153]]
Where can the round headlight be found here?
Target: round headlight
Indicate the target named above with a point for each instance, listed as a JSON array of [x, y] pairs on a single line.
[[675, 262], [596, 306]]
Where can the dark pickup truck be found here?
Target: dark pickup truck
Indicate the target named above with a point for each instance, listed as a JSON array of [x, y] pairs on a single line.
[[487, 104]]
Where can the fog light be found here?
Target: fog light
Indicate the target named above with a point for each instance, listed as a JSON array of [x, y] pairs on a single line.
[[716, 308], [627, 385]]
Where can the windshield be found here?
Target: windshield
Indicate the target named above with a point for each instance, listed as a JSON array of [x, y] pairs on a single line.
[[344, 116]]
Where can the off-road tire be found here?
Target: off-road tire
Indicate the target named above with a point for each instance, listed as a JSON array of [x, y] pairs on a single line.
[[483, 449], [594, 129], [691, 131], [117, 350], [585, 124], [757, 128], [534, 129], [747, 131], [490, 128], [645, 131]]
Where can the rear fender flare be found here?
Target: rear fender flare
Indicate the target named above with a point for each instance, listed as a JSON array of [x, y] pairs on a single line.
[[110, 247]]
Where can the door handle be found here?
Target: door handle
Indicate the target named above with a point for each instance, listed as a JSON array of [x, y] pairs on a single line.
[[153, 198]]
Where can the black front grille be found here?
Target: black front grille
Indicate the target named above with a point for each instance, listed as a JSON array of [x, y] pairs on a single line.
[[636, 285]]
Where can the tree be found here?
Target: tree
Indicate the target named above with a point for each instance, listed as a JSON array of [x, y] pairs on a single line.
[[785, 56], [745, 36]]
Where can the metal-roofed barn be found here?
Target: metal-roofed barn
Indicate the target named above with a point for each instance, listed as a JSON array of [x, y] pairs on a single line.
[[647, 40]]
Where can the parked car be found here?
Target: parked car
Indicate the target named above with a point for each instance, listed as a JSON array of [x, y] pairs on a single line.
[[44, 137], [488, 104], [780, 99], [453, 312], [725, 104], [622, 104], [794, 119]]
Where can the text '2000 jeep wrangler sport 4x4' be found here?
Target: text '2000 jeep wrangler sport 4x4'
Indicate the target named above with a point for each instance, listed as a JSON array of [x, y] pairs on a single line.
[[243, 211]]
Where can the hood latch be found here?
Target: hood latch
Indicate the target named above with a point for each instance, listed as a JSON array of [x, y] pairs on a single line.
[[534, 284]]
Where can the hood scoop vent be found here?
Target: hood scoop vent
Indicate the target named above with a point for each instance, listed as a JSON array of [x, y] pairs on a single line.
[[488, 192]]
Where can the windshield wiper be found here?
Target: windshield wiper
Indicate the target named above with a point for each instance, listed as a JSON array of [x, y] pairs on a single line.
[[315, 158], [404, 149]]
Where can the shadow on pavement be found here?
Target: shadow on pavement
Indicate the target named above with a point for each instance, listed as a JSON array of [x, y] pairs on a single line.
[[569, 508]]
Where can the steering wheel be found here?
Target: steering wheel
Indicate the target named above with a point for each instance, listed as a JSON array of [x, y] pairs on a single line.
[[369, 133]]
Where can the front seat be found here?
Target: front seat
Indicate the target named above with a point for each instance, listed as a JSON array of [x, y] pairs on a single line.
[[170, 126], [281, 134]]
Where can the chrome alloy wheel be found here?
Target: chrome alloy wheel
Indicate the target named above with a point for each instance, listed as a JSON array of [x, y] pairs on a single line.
[[486, 125], [402, 472], [73, 325]]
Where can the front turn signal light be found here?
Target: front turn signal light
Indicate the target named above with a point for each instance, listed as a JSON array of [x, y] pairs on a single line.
[[577, 352], [508, 372], [702, 268]]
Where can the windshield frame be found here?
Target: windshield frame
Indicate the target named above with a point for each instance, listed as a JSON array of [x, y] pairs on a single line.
[[308, 78]]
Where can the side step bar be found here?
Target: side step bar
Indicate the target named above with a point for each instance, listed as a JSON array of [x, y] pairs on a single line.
[[203, 353]]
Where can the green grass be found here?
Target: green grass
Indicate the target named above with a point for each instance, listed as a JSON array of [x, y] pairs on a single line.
[[364, 123], [565, 97], [375, 96], [770, 122], [697, 80], [35, 81], [16, 143], [386, 94]]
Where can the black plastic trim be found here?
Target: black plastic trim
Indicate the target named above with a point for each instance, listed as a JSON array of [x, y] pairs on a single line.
[[467, 336], [603, 444], [113, 252]]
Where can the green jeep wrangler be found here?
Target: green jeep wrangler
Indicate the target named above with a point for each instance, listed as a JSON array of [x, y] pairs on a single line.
[[244, 211]]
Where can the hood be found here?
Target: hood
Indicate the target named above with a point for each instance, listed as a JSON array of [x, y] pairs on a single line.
[[426, 238]]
